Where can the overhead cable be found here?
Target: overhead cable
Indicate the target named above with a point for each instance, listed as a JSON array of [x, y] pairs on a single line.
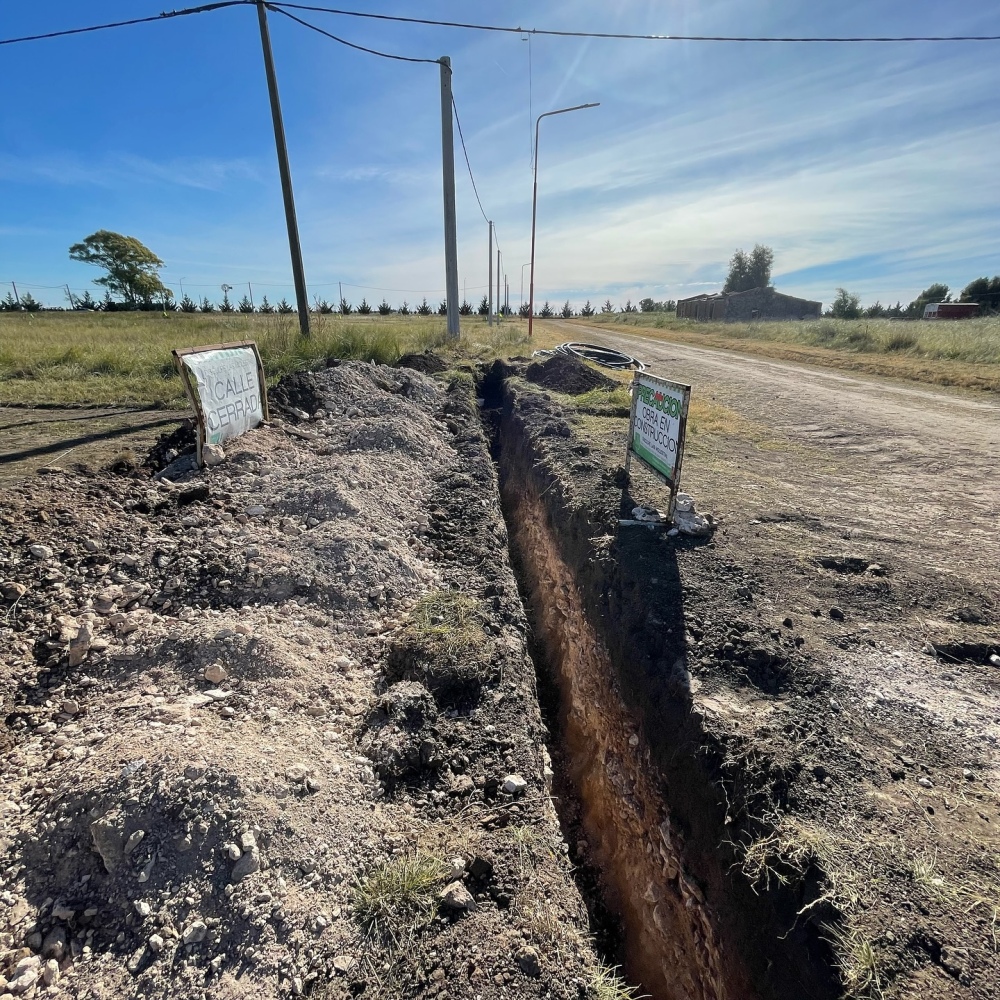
[[166, 15], [627, 36], [343, 41]]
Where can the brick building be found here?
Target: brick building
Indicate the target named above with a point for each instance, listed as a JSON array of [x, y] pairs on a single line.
[[745, 307]]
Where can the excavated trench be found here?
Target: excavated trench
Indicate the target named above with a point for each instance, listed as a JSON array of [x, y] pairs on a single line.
[[637, 801]]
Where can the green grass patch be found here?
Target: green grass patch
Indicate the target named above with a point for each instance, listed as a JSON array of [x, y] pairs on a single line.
[[448, 621], [399, 896]]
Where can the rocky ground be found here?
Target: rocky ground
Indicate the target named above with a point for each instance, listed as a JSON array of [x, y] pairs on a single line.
[[270, 727]]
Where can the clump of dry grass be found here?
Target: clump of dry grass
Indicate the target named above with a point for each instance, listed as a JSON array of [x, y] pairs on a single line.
[[606, 984], [399, 896]]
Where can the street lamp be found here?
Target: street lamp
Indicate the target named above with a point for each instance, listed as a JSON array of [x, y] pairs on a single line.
[[534, 206]]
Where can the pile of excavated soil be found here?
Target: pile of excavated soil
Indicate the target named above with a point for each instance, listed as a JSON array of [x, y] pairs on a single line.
[[566, 373], [242, 704]]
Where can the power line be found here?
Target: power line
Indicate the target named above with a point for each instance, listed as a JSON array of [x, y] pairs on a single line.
[[639, 37], [123, 24], [343, 41], [461, 136]]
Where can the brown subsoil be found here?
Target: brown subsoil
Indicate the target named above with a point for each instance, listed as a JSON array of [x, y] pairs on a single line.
[[235, 696], [566, 374], [829, 784]]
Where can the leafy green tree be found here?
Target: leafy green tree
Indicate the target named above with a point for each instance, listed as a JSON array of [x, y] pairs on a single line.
[[364, 308], [607, 307], [587, 310], [265, 307], [938, 292], [85, 302], [465, 309], [484, 306], [628, 307], [206, 305], [750, 270], [443, 309], [345, 307], [985, 291], [285, 308], [846, 305], [245, 306], [323, 307], [133, 270], [875, 311], [29, 303], [404, 309], [384, 309], [424, 309], [188, 305], [9, 303], [567, 310], [546, 312], [647, 305]]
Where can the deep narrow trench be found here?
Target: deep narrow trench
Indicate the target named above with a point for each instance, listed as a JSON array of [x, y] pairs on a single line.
[[651, 911]]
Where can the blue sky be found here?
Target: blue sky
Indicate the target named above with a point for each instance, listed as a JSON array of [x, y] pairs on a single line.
[[874, 167]]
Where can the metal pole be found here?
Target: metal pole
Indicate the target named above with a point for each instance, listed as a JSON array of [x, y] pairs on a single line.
[[450, 215], [534, 207], [298, 272], [499, 300], [521, 303], [250, 286], [489, 311], [17, 298]]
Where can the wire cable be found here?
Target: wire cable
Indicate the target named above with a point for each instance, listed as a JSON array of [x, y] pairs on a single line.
[[640, 37], [461, 136], [166, 15], [351, 45]]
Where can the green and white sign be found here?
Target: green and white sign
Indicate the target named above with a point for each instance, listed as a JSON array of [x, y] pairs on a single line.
[[658, 425]]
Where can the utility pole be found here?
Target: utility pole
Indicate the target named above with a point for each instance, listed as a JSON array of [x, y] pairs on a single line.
[[489, 257], [250, 286], [17, 298], [499, 300], [450, 215], [294, 246]]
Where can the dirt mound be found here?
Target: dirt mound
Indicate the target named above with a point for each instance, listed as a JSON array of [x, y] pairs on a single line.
[[427, 362], [214, 780], [169, 446], [565, 373]]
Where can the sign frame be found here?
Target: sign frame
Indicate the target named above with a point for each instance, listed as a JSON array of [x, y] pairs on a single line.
[[192, 392], [673, 484]]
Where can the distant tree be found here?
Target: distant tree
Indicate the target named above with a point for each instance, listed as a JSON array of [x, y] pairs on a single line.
[[133, 270], [628, 307], [484, 306], [85, 302], [607, 307], [227, 306], [750, 270], [505, 310], [9, 303], [443, 309], [384, 309], [29, 303], [896, 311], [364, 308], [345, 307], [524, 310], [265, 307], [587, 310], [647, 305], [846, 305], [985, 291], [325, 308], [567, 310], [188, 305], [546, 312], [245, 306], [404, 309], [465, 309], [206, 305], [424, 309], [875, 310], [284, 307]]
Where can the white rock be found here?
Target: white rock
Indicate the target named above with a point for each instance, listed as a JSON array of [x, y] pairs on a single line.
[[195, 932], [155, 943], [79, 646], [514, 784], [212, 454], [456, 869], [50, 972], [70, 706], [217, 694], [995, 660], [456, 897], [215, 673], [40, 551]]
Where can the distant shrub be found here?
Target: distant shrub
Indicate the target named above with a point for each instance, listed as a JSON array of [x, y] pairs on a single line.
[[524, 310], [245, 306], [443, 309], [345, 307], [465, 309], [546, 312], [587, 310], [607, 307], [188, 305], [628, 307], [29, 303], [364, 308], [901, 342], [424, 309], [484, 306], [567, 310], [284, 307], [207, 306], [404, 309], [227, 306], [265, 307], [384, 309]]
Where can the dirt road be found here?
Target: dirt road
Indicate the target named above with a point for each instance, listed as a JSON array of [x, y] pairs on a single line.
[[895, 459]]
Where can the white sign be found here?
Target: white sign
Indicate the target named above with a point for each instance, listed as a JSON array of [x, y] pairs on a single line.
[[226, 388], [658, 426]]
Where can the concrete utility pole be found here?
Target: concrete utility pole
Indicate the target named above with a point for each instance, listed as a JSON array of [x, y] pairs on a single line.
[[489, 257], [534, 207], [499, 299], [450, 216], [298, 272]]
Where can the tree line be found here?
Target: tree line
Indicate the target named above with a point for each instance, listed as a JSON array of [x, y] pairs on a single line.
[[984, 291]]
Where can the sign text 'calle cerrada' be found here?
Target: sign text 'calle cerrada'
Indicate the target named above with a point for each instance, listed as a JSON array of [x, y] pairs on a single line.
[[225, 383]]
